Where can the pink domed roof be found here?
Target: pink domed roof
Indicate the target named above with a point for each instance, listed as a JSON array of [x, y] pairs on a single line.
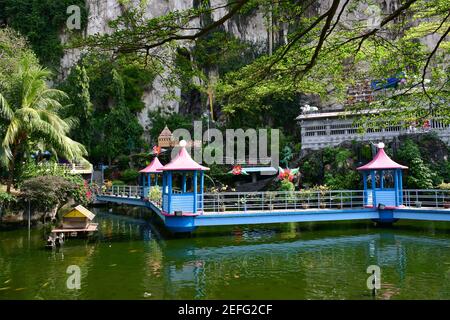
[[381, 161], [183, 161], [153, 167]]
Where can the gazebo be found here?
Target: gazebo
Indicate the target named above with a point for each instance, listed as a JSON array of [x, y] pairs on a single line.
[[385, 178], [182, 171], [146, 175]]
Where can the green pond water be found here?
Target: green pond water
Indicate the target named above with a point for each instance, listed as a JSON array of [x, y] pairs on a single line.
[[134, 258]]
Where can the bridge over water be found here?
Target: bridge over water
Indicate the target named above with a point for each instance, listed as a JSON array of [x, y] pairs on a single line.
[[280, 207], [188, 207]]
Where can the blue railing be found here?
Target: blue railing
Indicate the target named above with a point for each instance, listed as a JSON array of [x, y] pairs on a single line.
[[282, 200]]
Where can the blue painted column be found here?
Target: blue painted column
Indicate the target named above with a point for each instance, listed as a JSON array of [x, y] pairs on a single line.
[[149, 180], [400, 181], [396, 185], [164, 183], [374, 195], [202, 185], [365, 187], [184, 182], [194, 183], [381, 179], [156, 179], [169, 195]]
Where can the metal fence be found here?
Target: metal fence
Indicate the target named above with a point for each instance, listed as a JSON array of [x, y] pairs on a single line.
[[282, 200], [426, 198], [124, 191], [293, 200]]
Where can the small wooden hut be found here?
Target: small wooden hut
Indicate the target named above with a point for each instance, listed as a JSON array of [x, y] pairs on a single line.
[[79, 219]]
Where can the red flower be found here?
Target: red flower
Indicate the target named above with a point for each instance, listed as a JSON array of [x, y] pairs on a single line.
[[157, 150], [286, 174], [426, 124], [237, 170]]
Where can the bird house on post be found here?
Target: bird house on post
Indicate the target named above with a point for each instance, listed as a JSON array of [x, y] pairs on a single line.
[[183, 184], [383, 184]]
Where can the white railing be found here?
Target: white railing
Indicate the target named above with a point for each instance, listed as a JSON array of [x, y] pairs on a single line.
[[291, 200], [124, 191], [77, 168], [282, 200], [426, 198], [261, 161]]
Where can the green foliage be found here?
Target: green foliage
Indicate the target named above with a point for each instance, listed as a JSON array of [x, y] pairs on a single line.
[[80, 107], [40, 21], [13, 49], [408, 151], [46, 192], [173, 121], [224, 51], [6, 199], [106, 96], [30, 169], [286, 185], [155, 194], [31, 113], [130, 176], [339, 171], [341, 181], [419, 175], [118, 183]]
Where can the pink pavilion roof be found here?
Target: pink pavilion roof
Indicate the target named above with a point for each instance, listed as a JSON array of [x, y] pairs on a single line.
[[381, 161], [183, 161], [153, 167]]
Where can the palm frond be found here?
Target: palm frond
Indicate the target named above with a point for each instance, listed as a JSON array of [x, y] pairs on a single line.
[[5, 109]]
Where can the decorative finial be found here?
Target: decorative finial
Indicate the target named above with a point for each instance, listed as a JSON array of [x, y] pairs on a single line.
[[380, 145], [183, 143]]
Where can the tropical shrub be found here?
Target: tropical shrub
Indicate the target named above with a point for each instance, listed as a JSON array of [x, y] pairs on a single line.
[[47, 192], [286, 185], [6, 199], [30, 169], [129, 176], [155, 194], [420, 175], [30, 111], [118, 183]]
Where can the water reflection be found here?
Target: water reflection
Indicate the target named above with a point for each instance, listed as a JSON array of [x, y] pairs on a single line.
[[133, 259]]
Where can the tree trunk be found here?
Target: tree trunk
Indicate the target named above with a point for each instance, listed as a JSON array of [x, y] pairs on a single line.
[[12, 166], [10, 175]]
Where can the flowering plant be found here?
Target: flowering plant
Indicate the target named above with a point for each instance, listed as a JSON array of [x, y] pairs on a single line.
[[157, 150], [287, 174]]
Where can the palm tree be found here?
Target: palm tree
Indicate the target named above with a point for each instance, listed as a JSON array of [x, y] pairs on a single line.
[[31, 117]]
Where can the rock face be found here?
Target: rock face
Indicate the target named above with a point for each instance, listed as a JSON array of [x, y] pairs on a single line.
[[251, 28]]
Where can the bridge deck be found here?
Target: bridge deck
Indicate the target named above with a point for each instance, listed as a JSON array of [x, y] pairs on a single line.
[[336, 206]]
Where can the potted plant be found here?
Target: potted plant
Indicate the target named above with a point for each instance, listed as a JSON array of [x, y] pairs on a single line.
[[155, 194]]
